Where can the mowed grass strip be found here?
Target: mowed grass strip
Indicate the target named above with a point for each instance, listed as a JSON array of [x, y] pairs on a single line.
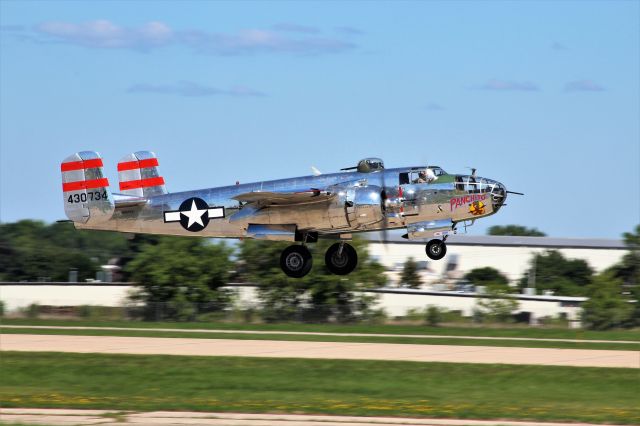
[[333, 338], [135, 382], [486, 331]]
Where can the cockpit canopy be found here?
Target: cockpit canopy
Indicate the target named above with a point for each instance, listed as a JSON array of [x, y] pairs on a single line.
[[369, 165], [475, 184], [437, 170], [422, 175]]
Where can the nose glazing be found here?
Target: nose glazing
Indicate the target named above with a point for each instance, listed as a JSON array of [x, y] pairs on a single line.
[[498, 195], [475, 185]]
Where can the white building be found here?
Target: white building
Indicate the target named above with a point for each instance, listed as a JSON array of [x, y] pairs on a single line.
[[510, 255]]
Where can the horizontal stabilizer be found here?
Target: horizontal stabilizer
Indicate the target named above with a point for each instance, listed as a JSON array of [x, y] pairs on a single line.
[[123, 200]]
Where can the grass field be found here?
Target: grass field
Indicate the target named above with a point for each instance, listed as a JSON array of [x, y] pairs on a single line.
[[134, 382], [319, 338], [487, 331]]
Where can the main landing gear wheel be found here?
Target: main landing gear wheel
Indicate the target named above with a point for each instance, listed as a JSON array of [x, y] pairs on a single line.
[[341, 260], [296, 261], [436, 249]]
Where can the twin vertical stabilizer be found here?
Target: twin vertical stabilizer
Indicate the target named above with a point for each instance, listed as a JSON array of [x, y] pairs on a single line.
[[138, 175], [85, 189], [87, 198]]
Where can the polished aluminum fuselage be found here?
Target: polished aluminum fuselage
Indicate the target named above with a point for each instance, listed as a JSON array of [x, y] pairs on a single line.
[[402, 204]]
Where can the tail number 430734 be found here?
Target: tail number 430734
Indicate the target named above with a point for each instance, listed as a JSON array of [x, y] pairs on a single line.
[[89, 196]]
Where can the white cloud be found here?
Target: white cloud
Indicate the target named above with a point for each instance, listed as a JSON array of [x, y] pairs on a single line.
[[191, 89], [351, 31], [105, 34], [265, 41], [583, 86], [295, 28], [558, 46], [506, 85], [432, 106]]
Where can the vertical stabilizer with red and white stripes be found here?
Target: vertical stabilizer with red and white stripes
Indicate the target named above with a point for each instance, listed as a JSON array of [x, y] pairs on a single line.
[[85, 189], [138, 174]]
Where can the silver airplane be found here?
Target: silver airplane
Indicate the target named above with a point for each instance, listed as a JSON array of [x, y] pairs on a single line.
[[426, 200]]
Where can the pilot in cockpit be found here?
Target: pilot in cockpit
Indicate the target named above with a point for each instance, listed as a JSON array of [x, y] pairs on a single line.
[[422, 177]]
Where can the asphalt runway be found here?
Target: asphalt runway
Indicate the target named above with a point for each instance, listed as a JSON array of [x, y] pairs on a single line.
[[46, 416], [320, 350]]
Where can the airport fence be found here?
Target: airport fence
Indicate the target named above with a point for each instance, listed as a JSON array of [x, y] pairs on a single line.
[[305, 314]]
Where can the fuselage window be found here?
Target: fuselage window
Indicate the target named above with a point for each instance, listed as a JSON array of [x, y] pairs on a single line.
[[404, 178]]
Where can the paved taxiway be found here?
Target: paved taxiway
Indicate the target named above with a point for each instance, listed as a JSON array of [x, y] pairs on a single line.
[[319, 350], [316, 333], [167, 418]]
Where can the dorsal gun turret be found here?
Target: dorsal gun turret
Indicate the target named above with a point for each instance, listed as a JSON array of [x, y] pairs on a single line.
[[368, 165]]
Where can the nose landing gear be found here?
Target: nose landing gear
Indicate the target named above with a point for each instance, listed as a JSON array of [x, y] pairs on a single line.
[[436, 249], [296, 261]]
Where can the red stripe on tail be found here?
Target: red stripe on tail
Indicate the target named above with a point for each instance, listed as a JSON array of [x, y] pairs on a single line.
[[85, 184], [140, 164], [142, 183], [79, 165]]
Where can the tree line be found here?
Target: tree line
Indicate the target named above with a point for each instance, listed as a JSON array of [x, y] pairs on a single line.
[[186, 276], [183, 278]]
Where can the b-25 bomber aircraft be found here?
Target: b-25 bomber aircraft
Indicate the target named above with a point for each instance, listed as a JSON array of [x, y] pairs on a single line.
[[426, 200]]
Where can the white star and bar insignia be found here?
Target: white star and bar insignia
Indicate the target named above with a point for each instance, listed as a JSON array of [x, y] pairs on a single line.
[[194, 214]]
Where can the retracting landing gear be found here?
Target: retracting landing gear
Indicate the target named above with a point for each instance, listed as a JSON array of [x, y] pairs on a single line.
[[341, 259], [296, 261], [436, 249]]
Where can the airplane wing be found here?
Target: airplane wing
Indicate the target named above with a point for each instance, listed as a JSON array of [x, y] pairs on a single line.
[[264, 199]]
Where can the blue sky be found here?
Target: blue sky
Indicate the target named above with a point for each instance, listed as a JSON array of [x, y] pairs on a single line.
[[542, 96]]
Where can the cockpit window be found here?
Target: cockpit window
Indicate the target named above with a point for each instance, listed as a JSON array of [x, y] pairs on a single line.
[[437, 171], [420, 176], [472, 184]]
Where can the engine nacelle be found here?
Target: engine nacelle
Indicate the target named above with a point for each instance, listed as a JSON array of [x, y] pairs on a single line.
[[364, 206]]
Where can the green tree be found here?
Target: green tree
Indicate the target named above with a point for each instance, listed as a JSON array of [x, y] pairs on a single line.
[[488, 277], [318, 297], [433, 316], [497, 304], [607, 307], [628, 270], [634, 296], [31, 250], [515, 230], [553, 271], [181, 277], [410, 276]]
